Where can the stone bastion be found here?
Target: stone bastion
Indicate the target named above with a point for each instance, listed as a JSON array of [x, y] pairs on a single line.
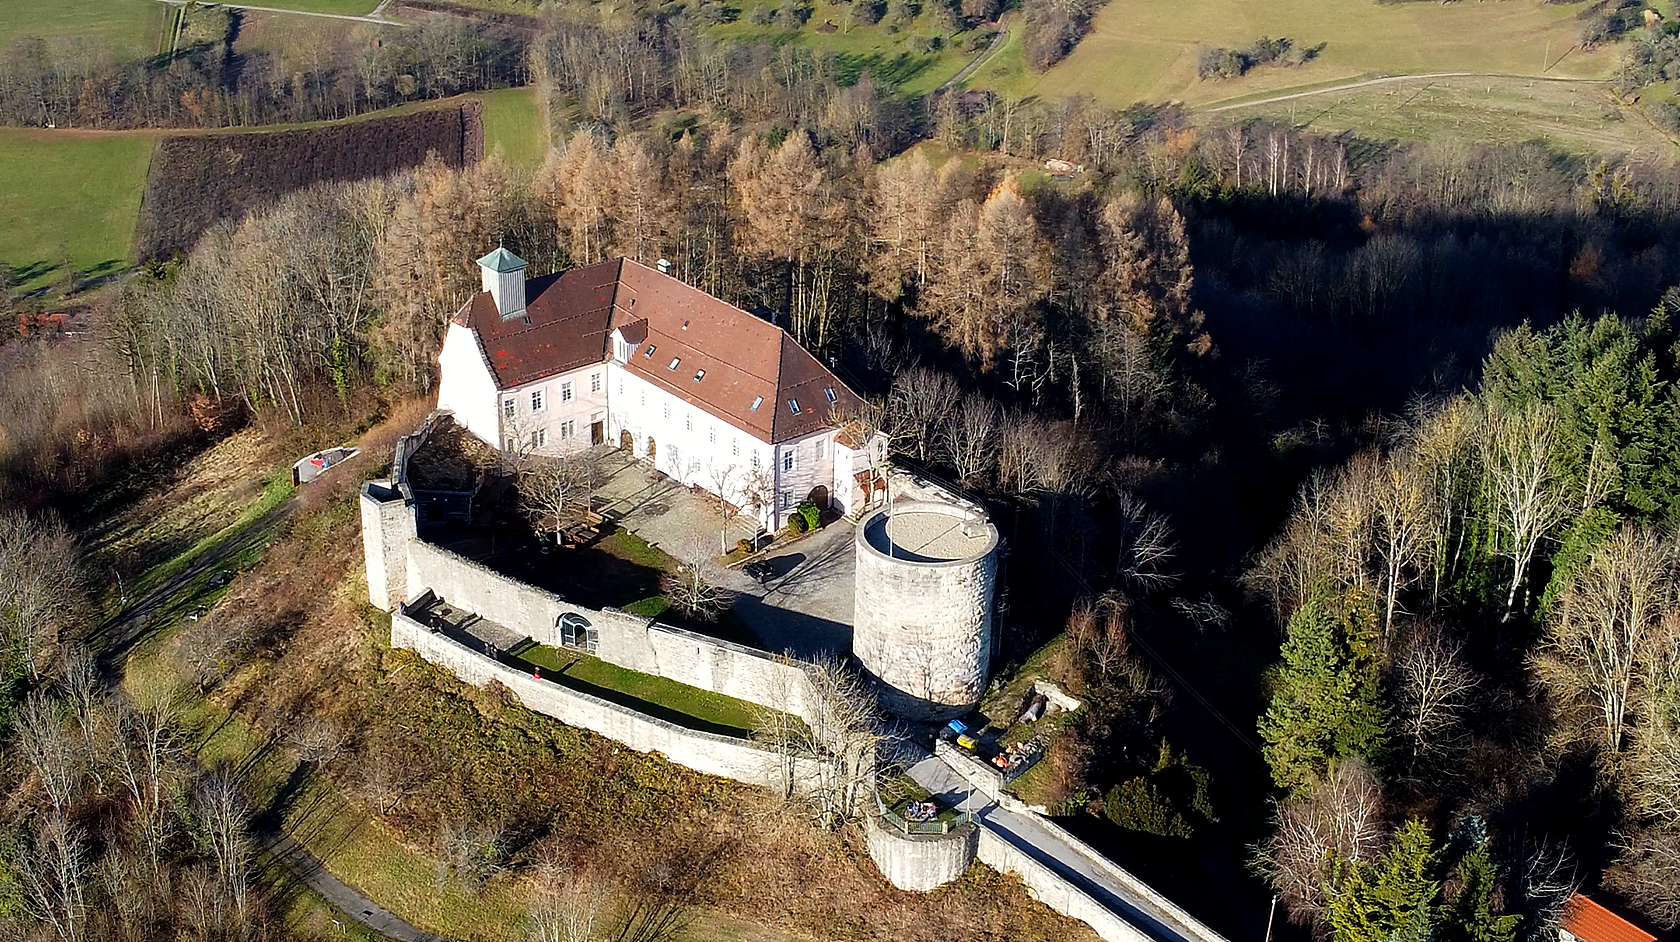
[[926, 573]]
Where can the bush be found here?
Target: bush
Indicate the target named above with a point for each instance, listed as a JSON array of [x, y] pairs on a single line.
[[810, 514], [1136, 805], [798, 524], [762, 16], [745, 546], [1214, 62], [1665, 115]]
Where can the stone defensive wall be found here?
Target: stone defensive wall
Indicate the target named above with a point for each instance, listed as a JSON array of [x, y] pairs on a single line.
[[1054, 890], [714, 754], [629, 641]]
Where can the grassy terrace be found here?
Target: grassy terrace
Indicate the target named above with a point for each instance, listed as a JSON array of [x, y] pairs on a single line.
[[644, 693]]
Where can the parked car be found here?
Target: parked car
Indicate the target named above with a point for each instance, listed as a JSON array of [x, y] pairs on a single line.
[[759, 569]]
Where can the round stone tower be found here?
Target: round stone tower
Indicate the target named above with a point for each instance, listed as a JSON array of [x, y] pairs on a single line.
[[923, 622]]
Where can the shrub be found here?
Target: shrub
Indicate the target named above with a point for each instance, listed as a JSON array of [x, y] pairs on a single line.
[[762, 16], [745, 546], [810, 514], [1665, 115], [798, 524], [1137, 805]]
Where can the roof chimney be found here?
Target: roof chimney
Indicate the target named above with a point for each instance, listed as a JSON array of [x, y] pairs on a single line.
[[504, 278], [664, 266]]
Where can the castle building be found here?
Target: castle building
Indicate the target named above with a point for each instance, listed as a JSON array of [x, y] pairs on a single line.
[[621, 354]]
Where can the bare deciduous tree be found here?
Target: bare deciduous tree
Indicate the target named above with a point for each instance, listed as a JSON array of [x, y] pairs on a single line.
[[471, 853], [222, 815], [554, 489], [1612, 633], [920, 403], [969, 439], [567, 904], [837, 743], [1340, 819], [1434, 689], [1528, 494], [1648, 873], [696, 587], [1147, 549]]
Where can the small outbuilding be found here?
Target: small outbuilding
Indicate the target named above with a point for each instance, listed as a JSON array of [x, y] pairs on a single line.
[[319, 463]]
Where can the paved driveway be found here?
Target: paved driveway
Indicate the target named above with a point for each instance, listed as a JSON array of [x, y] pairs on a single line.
[[805, 608]]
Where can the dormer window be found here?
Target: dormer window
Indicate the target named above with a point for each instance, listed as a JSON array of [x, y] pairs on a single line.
[[621, 349], [651, 347], [829, 392], [757, 402], [673, 364], [793, 406], [699, 375]]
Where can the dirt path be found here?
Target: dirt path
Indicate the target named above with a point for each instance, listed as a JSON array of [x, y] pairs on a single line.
[[980, 60], [119, 634], [1383, 80], [369, 18]]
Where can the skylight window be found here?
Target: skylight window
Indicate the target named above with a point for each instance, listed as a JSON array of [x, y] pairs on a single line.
[[757, 402], [793, 404], [674, 362], [699, 375], [651, 347], [829, 392]]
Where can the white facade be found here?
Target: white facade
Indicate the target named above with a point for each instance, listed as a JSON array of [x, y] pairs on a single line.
[[466, 386], [555, 414], [688, 443]]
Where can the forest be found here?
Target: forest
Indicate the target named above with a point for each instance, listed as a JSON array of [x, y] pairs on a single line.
[[1367, 449]]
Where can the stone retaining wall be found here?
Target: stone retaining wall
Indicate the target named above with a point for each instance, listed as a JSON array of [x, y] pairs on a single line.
[[1051, 889], [714, 754], [629, 641], [920, 862]]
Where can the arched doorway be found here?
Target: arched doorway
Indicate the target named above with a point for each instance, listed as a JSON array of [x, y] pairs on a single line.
[[626, 442], [653, 452]]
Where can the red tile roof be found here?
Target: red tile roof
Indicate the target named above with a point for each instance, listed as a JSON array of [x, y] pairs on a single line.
[[1590, 922], [569, 319]]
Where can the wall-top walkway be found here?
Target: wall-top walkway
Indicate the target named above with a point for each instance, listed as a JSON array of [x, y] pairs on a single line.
[[1140, 908]]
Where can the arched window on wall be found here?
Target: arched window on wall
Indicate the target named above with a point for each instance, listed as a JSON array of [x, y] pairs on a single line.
[[577, 633]]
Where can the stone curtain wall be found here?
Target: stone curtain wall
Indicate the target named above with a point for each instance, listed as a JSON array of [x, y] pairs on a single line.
[[628, 641], [387, 528], [1049, 888], [724, 756]]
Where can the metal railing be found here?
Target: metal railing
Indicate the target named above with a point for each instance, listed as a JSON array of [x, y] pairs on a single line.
[[940, 824]]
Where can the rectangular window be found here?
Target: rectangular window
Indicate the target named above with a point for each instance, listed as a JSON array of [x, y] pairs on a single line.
[[667, 410], [507, 408], [787, 461], [711, 436], [786, 499], [650, 349], [594, 382], [539, 438], [536, 400], [793, 405], [757, 402], [511, 444], [735, 448], [674, 362], [819, 449], [568, 428], [756, 464], [829, 392], [566, 392], [688, 422]]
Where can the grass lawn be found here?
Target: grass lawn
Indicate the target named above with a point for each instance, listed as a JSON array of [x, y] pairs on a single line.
[[1145, 50], [340, 7], [126, 27], [886, 55], [70, 194], [1574, 117], [656, 696], [513, 122]]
